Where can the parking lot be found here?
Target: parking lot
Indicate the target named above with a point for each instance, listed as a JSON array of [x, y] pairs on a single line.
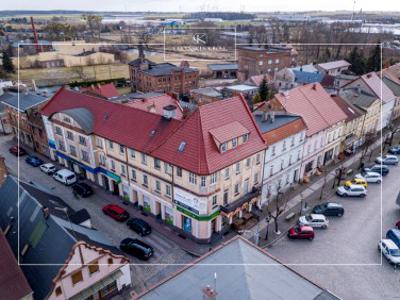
[[344, 258], [144, 273]]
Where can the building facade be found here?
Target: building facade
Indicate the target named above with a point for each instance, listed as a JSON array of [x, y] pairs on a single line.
[[197, 174], [333, 67], [254, 60]]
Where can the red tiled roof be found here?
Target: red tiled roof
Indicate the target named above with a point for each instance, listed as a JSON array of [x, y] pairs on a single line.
[[228, 131], [284, 131], [106, 90], [156, 105], [349, 109], [132, 127], [314, 104], [13, 284], [378, 87]]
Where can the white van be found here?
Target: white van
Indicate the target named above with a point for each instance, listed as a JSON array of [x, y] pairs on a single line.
[[65, 176]]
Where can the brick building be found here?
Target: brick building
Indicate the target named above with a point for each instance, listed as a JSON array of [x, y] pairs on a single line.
[[259, 60], [148, 76]]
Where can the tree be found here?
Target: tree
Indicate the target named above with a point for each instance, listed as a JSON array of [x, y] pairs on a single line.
[[374, 60], [280, 203], [357, 61], [8, 65], [263, 89], [94, 24]]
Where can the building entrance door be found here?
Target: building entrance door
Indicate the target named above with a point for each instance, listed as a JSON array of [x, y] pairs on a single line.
[[115, 188]]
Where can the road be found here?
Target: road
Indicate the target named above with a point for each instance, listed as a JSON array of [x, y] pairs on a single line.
[[344, 257], [144, 273]]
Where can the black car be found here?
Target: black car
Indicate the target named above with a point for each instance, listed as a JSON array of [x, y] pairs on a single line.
[[329, 209], [381, 169], [139, 226], [82, 189], [136, 248], [394, 150]]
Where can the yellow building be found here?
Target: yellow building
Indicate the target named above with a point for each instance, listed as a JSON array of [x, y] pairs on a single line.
[[199, 174]]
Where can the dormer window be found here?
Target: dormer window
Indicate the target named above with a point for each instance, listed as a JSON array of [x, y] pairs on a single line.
[[234, 143], [245, 138], [222, 148]]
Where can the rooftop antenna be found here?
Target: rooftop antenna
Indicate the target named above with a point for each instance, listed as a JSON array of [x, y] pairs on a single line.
[[352, 13], [35, 37]]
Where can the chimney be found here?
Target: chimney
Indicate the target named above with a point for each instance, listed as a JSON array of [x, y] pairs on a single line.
[[314, 87], [3, 170], [209, 293], [169, 111]]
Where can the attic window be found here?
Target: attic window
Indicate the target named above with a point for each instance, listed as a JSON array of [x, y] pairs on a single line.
[[222, 148], [181, 147], [245, 138], [152, 133]]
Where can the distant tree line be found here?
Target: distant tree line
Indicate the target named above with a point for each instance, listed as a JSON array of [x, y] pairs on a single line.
[[222, 15]]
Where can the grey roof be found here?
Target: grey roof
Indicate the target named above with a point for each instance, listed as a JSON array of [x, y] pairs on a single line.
[[359, 98], [166, 69], [393, 86], [50, 239], [82, 116], [279, 121], [207, 91], [253, 275], [26, 100], [218, 67]]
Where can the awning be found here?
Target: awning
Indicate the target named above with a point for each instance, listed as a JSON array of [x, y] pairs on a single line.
[[238, 204], [95, 288]]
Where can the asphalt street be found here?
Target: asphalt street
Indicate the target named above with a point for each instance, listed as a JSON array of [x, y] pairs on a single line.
[[344, 258], [166, 252]]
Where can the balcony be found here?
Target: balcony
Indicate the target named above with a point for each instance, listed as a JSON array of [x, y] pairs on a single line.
[[239, 202]]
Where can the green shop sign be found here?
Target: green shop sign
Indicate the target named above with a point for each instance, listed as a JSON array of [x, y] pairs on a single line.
[[197, 217]]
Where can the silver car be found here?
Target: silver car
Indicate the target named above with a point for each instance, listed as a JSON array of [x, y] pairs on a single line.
[[390, 250], [387, 160]]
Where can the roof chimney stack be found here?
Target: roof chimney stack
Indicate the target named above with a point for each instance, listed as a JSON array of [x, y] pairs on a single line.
[[169, 112]]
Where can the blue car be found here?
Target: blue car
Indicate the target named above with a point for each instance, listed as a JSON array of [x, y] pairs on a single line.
[[394, 150], [34, 161]]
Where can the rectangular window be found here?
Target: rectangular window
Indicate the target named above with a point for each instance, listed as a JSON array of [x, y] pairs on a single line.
[[82, 140], [72, 150], [144, 159], [271, 170], [99, 143], [238, 168], [248, 160], [214, 178], [145, 180], [284, 146], [158, 186], [258, 158], [70, 135], [132, 153], [76, 277], [292, 143], [226, 196], [157, 164], [179, 172], [203, 181], [123, 170], [85, 156], [121, 149], [112, 165], [93, 267], [192, 178], [102, 159], [234, 143], [273, 150], [58, 130], [223, 147], [168, 168], [245, 138], [133, 175], [255, 178], [237, 189], [111, 145], [227, 173], [168, 190], [214, 200]]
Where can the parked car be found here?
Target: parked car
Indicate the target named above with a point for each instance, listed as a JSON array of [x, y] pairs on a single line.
[[354, 190], [139, 226], [34, 161], [49, 169], [387, 160], [381, 169], [301, 232], [314, 221], [136, 248], [17, 151], [116, 212], [82, 189], [65, 176], [394, 149], [370, 177], [394, 235], [360, 181], [329, 209], [390, 250]]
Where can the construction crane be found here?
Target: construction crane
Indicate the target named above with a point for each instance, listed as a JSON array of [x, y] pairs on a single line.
[[352, 13], [35, 37]]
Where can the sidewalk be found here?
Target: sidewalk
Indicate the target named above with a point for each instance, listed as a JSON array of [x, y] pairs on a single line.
[[311, 193]]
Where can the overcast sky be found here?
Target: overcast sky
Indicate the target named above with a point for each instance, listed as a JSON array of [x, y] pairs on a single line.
[[198, 5]]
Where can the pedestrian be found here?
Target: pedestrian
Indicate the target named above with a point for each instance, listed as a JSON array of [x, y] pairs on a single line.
[[362, 165], [267, 228]]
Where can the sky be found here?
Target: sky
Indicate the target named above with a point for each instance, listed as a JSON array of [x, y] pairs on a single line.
[[199, 5]]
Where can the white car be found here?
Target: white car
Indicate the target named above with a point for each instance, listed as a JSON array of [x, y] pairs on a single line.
[[314, 220], [49, 169], [65, 176], [370, 177], [387, 160], [354, 190], [390, 250]]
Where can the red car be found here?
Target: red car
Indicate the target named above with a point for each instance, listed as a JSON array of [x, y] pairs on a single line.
[[116, 212], [398, 224], [301, 232], [17, 151]]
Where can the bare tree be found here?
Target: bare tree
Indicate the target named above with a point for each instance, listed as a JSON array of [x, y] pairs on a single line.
[[279, 204]]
